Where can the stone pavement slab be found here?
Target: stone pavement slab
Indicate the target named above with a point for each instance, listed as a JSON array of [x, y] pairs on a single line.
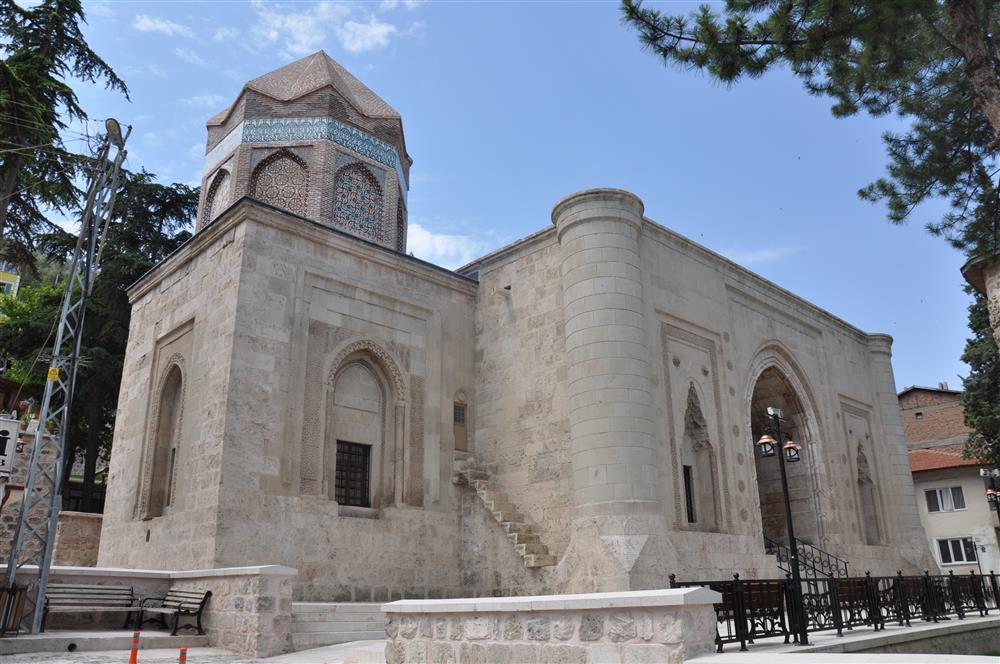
[[357, 652]]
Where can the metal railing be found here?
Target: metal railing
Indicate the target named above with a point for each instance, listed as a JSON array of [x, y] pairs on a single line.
[[814, 562], [753, 609]]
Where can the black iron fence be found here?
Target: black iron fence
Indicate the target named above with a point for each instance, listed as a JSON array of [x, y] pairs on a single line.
[[760, 608]]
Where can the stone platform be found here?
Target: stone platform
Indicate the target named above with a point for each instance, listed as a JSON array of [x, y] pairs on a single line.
[[967, 641], [67, 641]]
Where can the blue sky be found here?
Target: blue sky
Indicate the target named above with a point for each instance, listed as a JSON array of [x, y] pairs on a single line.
[[508, 107]]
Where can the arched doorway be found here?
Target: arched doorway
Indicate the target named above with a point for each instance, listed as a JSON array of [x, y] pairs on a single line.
[[773, 387]]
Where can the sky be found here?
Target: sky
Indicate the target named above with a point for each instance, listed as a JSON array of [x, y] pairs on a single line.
[[509, 106]]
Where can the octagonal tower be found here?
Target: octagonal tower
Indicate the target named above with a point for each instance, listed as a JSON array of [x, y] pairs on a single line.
[[311, 139]]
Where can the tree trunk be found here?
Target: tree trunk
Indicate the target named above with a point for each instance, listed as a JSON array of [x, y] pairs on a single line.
[[7, 188], [90, 457], [970, 38]]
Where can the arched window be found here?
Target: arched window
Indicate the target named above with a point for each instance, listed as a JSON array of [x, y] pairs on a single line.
[[217, 197], [400, 228], [698, 475], [281, 180], [866, 491], [460, 419], [166, 434], [358, 203], [356, 421]]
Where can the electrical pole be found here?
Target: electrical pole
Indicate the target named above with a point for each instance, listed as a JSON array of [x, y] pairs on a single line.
[[35, 536]]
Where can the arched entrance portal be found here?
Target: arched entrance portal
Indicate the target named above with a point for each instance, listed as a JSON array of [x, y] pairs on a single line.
[[773, 388]]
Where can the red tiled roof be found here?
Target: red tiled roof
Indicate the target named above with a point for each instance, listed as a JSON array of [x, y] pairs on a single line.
[[936, 458]]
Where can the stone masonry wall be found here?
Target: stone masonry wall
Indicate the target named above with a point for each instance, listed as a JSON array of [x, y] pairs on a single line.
[[646, 627], [521, 421], [78, 537], [250, 611]]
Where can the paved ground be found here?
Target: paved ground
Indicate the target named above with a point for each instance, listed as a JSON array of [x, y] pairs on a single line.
[[359, 652], [195, 656]]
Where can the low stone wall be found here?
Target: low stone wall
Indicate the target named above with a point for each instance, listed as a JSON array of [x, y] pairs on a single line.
[[78, 537], [249, 611], [655, 626]]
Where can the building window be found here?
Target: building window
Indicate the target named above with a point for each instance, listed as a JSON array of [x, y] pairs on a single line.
[[689, 494], [358, 203], [353, 471], [954, 551], [919, 415], [948, 499], [459, 426], [281, 180]]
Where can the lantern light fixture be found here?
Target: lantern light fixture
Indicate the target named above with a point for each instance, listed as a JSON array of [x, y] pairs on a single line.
[[767, 445]]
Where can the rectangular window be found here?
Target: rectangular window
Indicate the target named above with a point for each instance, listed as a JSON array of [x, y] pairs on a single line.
[[352, 477], [459, 426], [689, 494], [959, 550], [948, 499]]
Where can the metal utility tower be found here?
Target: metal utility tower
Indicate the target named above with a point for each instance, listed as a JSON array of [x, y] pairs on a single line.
[[35, 536]]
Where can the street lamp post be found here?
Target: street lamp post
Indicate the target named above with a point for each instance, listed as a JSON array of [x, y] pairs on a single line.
[[992, 493], [790, 451]]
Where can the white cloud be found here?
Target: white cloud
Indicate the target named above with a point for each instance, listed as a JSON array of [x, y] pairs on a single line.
[[305, 29], [225, 34], [147, 23], [360, 37], [101, 9], [757, 256], [203, 101], [192, 57], [450, 251]]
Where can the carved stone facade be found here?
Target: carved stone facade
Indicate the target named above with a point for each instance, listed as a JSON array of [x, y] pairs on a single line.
[[597, 385]]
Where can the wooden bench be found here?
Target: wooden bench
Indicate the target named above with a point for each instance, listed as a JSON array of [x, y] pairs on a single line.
[[177, 603], [80, 598]]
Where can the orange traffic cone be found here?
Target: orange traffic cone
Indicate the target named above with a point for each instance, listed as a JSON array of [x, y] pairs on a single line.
[[183, 658], [133, 657]]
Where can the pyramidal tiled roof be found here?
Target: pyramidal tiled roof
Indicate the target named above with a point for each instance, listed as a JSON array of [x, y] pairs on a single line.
[[309, 74]]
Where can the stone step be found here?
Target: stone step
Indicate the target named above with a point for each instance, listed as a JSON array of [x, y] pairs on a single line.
[[513, 517], [523, 538], [320, 639], [526, 549], [305, 627], [538, 560]]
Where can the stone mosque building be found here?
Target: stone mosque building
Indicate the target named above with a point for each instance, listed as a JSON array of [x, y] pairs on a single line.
[[573, 412]]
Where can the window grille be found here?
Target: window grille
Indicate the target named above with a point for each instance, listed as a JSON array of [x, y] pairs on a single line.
[[353, 472]]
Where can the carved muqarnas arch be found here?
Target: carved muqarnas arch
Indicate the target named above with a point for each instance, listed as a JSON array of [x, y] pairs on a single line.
[[161, 441], [358, 361]]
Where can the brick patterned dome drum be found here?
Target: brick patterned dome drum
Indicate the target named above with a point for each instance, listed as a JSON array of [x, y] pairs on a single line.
[[314, 141]]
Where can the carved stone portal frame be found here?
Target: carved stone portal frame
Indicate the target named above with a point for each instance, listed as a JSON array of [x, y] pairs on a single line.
[[388, 461]]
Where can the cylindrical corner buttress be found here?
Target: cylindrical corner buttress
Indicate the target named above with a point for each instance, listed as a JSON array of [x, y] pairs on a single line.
[[610, 402]]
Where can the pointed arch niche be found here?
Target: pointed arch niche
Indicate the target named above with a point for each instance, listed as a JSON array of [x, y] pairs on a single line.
[[871, 520], [776, 385], [358, 203], [217, 197], [699, 474], [364, 412], [281, 179], [158, 486]]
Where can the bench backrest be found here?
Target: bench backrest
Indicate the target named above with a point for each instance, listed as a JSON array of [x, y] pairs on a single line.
[[186, 599], [80, 595]]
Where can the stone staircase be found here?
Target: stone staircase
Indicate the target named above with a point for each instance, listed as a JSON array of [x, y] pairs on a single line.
[[522, 534], [316, 624]]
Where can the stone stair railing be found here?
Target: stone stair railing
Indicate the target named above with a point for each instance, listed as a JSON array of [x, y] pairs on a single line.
[[522, 534]]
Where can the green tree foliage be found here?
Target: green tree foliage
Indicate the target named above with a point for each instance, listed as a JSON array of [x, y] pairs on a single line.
[[41, 46], [982, 386], [934, 63], [149, 222]]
